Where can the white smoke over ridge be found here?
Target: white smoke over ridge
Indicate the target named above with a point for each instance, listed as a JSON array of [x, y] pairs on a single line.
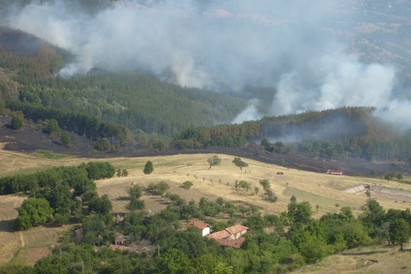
[[226, 45]]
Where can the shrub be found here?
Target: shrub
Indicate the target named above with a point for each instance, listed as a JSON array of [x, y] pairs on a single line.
[[16, 122], [187, 184], [148, 168]]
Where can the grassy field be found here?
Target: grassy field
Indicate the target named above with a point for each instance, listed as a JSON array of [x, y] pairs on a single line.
[[323, 190], [363, 260], [318, 189]]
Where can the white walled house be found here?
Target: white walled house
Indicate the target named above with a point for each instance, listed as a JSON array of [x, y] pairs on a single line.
[[205, 228]]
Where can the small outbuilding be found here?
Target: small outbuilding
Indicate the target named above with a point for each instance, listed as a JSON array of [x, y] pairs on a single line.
[[205, 228]]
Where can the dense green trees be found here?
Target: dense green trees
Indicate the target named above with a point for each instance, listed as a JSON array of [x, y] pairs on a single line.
[[399, 231], [73, 121], [33, 211], [99, 170], [64, 189], [185, 251], [132, 100]]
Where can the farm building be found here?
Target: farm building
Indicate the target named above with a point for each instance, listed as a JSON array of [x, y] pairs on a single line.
[[334, 172], [236, 231], [205, 228], [230, 233], [231, 236]]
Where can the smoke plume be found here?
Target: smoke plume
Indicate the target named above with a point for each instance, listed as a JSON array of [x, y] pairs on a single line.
[[225, 45]]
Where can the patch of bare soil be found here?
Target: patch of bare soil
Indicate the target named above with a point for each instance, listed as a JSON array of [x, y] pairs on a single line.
[[29, 140], [377, 192], [391, 194]]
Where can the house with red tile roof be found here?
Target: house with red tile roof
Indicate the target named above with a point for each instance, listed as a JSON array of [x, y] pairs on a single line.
[[231, 236], [232, 243], [205, 228], [222, 234], [236, 231]]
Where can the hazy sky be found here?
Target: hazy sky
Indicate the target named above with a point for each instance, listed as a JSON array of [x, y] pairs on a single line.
[[223, 46]]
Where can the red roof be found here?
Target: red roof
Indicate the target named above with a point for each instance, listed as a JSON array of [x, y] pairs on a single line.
[[199, 225], [222, 234], [231, 243], [236, 229]]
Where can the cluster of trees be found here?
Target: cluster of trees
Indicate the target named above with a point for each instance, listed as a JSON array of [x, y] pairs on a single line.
[[218, 136], [68, 193], [72, 121], [296, 238], [348, 131], [59, 194], [268, 193]]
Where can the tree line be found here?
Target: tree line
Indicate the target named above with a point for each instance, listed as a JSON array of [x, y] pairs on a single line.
[[68, 194], [59, 194], [82, 124], [296, 238], [348, 131]]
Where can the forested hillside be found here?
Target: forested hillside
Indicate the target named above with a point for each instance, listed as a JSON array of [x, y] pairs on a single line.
[[111, 105], [135, 107], [331, 133], [131, 99]]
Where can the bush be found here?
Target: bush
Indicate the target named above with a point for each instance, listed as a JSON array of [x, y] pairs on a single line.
[[102, 144], [16, 122], [148, 168], [97, 170], [65, 139], [53, 128], [187, 184]]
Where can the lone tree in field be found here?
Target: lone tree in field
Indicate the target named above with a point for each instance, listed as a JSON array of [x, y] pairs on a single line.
[[148, 168], [135, 193], [399, 232], [214, 161], [240, 163]]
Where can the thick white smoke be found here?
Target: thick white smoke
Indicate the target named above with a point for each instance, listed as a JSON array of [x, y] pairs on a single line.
[[341, 80], [225, 45]]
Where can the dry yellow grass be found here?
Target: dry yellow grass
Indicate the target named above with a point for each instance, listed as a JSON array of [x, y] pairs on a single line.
[[370, 260], [318, 189], [18, 243], [324, 190]]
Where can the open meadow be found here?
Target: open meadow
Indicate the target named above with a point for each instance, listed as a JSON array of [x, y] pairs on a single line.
[[324, 190], [371, 260]]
